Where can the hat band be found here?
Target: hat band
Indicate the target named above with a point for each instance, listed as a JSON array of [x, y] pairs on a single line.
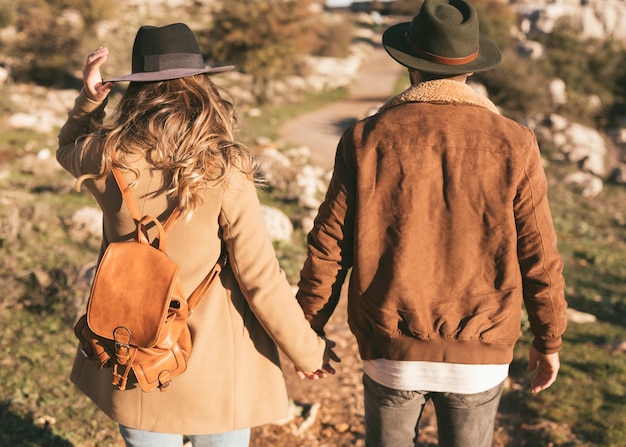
[[169, 61], [439, 59]]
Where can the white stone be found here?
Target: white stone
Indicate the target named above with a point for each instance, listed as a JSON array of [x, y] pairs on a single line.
[[531, 49], [559, 139], [254, 112], [589, 185], [5, 75], [584, 142], [23, 121], [276, 168], [85, 223], [558, 122], [576, 316], [594, 163], [277, 224], [557, 91], [310, 186]]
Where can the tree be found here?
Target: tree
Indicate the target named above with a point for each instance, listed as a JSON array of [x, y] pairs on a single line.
[[263, 38]]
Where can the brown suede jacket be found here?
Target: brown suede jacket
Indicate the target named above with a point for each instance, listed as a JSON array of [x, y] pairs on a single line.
[[439, 205]]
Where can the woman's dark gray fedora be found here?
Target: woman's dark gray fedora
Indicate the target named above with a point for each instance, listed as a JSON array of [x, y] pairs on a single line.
[[443, 39], [168, 52]]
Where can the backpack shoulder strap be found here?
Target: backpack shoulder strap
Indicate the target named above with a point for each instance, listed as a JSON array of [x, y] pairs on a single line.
[[203, 287], [132, 206]]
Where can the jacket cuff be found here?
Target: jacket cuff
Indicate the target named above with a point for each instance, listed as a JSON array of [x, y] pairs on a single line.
[[548, 346]]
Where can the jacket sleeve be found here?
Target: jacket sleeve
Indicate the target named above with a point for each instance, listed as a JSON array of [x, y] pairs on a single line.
[[540, 262], [70, 151], [330, 242], [262, 281]]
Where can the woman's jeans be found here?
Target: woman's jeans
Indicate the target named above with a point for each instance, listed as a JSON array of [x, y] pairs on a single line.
[[463, 420], [141, 438]]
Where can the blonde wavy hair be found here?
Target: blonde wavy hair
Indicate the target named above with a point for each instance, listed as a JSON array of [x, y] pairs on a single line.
[[185, 127]]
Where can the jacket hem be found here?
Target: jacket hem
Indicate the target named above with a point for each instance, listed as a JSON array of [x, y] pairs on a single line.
[[403, 348]]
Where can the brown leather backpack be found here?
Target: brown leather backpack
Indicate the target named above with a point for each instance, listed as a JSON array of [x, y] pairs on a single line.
[[137, 313]]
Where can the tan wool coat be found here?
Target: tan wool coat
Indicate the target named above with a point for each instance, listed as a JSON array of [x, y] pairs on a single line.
[[233, 379]]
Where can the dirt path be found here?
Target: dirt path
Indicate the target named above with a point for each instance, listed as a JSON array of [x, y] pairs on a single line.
[[320, 130]]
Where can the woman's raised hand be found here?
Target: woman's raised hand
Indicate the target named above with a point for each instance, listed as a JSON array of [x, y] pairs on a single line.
[[95, 89]]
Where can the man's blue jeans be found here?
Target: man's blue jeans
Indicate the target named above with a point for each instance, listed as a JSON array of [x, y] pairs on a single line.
[[463, 420], [141, 438]]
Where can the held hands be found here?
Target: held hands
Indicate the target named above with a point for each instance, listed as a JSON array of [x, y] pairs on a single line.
[[547, 366], [326, 367], [95, 89]]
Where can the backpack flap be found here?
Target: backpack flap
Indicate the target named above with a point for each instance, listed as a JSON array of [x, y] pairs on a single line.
[[131, 291]]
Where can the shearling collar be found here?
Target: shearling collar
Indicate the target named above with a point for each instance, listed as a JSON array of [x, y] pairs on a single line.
[[440, 90]]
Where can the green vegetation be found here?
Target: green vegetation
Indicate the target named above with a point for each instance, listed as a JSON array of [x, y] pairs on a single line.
[[41, 53], [588, 396], [264, 38]]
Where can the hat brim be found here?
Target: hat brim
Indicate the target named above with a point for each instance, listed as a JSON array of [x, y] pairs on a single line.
[[166, 75], [394, 43]]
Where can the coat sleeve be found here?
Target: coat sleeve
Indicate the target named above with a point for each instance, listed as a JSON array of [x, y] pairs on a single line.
[[330, 242], [70, 151], [540, 262], [262, 281]]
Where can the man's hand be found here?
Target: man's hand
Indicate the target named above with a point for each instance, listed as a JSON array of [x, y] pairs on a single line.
[[547, 366], [326, 367], [95, 89]]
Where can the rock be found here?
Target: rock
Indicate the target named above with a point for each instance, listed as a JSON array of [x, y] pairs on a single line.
[[23, 121], [557, 91], [581, 136], [576, 316], [619, 174], [594, 18], [275, 167], [531, 49], [307, 222], [277, 223], [557, 122], [594, 163], [590, 185], [86, 223], [41, 164], [5, 75], [309, 413], [290, 171], [342, 427], [310, 186]]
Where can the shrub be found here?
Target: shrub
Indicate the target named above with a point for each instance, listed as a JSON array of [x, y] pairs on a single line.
[[588, 67], [332, 39], [51, 36], [516, 86], [264, 38]]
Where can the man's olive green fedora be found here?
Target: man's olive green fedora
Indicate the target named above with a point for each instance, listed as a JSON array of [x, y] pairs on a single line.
[[443, 39]]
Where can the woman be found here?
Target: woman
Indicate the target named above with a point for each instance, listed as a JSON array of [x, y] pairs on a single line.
[[172, 135]]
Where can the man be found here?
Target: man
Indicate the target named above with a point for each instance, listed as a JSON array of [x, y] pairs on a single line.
[[438, 204]]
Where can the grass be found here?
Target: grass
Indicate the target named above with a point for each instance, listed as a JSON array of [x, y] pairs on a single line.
[[588, 396], [38, 405]]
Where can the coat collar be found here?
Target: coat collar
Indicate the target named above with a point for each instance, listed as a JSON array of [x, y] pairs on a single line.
[[440, 90]]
